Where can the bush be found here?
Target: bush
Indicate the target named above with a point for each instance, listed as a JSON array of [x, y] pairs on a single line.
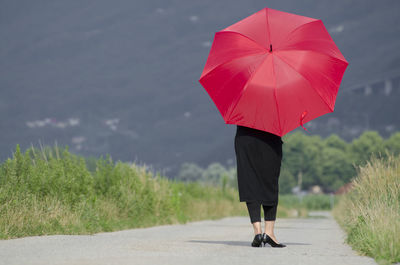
[[51, 191], [370, 213]]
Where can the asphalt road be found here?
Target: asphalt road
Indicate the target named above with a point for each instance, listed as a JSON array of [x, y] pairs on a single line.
[[309, 241]]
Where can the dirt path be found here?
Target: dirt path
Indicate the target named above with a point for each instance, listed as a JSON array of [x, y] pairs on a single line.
[[225, 241]]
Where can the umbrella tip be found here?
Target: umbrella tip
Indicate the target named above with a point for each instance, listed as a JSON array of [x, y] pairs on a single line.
[[270, 48]]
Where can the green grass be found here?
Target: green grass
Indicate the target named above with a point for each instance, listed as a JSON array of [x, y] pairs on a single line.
[[370, 213], [52, 191], [309, 201]]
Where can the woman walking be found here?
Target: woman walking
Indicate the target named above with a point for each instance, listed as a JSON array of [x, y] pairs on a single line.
[[270, 69], [259, 156]]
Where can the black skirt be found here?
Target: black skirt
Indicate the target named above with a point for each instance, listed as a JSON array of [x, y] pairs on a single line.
[[258, 157]]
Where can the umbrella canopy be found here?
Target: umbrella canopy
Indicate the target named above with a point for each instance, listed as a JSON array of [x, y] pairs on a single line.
[[273, 71]]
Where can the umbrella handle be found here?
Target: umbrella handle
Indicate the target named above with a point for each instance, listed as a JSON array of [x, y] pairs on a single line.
[[302, 118]]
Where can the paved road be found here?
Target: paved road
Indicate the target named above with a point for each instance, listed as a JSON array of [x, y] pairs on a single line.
[[225, 241]]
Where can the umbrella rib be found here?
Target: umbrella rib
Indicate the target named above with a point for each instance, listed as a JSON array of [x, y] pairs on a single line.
[[331, 57], [320, 52], [250, 54], [241, 34], [244, 89], [228, 80], [230, 60], [268, 30], [297, 28], [273, 73], [308, 81], [276, 101]]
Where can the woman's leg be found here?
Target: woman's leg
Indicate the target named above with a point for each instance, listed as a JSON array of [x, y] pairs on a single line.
[[254, 209], [269, 218], [270, 212]]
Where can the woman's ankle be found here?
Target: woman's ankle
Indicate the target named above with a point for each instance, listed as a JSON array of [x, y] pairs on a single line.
[[271, 234]]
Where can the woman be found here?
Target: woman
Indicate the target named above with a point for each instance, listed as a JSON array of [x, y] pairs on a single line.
[[258, 157]]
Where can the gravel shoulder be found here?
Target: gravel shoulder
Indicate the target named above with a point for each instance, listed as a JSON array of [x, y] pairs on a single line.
[[317, 240]]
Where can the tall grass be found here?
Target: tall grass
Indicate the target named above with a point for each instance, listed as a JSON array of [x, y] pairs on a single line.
[[51, 191], [370, 213]]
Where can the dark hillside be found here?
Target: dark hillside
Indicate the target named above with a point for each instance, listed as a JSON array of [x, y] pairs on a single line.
[[120, 77]]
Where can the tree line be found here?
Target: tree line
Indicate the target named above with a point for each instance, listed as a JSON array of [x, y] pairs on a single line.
[[307, 160]]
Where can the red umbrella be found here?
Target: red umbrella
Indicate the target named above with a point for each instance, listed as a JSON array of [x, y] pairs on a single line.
[[273, 71]]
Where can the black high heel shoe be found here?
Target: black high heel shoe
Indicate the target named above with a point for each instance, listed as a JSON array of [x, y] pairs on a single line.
[[266, 239], [257, 241]]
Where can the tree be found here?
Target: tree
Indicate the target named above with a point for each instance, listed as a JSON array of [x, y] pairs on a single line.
[[336, 169], [335, 141], [362, 148], [286, 181], [190, 172], [213, 173], [392, 144], [302, 157]]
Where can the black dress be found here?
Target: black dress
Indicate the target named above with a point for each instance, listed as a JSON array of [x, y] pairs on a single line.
[[258, 157]]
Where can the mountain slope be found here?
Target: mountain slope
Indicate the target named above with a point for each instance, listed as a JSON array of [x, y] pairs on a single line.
[[121, 77]]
